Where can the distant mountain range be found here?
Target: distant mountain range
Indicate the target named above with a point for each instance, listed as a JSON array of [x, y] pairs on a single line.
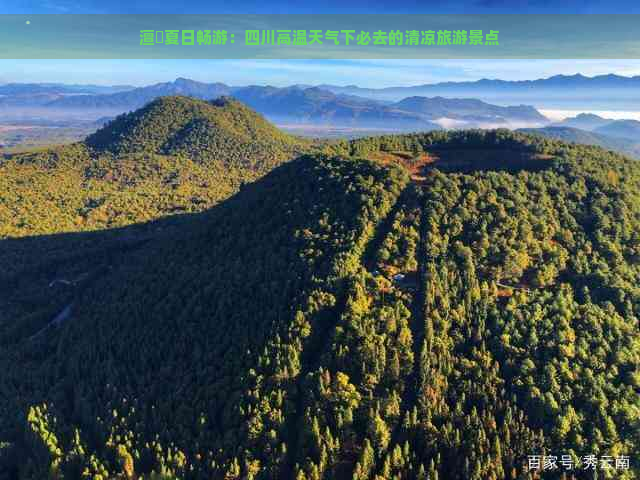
[[553, 92], [483, 103], [38, 94], [59, 89], [316, 106], [626, 129], [621, 128], [589, 129], [585, 137], [295, 105], [583, 121], [586, 128], [137, 97], [469, 109], [560, 91]]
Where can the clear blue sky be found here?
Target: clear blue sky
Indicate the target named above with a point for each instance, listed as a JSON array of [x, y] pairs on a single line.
[[371, 73]]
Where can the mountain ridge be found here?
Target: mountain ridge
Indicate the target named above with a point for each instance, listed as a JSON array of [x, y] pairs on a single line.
[[436, 107], [556, 92], [588, 137], [629, 129], [302, 105], [583, 121]]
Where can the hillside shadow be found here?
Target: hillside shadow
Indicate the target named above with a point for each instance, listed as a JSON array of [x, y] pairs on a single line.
[[463, 159], [42, 276], [499, 159]]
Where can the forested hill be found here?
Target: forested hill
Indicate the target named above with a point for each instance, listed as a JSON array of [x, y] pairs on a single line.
[[443, 310], [218, 128], [174, 155]]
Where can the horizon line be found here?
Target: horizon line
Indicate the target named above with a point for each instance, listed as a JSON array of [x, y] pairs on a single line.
[[483, 79]]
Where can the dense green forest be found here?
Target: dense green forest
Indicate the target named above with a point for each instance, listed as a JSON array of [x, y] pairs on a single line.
[[427, 306], [175, 155]]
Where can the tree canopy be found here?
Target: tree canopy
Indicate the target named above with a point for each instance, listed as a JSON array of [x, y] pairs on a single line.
[[405, 307]]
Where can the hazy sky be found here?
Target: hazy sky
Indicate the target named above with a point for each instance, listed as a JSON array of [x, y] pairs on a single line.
[[367, 73], [371, 73]]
